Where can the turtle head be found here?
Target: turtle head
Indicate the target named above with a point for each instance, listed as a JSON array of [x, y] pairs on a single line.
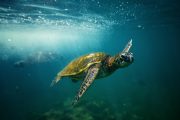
[[123, 59]]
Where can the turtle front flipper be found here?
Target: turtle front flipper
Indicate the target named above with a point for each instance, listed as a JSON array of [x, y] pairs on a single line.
[[91, 75], [128, 46]]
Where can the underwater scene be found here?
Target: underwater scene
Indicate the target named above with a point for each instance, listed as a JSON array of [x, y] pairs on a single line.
[[89, 60]]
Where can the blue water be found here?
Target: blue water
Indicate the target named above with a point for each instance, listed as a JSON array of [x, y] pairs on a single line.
[[39, 38]]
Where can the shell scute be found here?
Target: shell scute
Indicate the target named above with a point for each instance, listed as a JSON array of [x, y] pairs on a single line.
[[82, 63]]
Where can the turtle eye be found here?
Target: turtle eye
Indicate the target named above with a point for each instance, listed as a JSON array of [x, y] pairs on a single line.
[[125, 58]]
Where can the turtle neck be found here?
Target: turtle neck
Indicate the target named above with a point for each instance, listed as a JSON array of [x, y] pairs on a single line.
[[111, 67]]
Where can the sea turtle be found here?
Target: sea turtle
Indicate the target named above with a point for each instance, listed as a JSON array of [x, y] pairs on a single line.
[[94, 66]]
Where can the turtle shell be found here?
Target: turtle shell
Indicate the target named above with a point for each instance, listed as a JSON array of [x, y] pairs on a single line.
[[82, 63]]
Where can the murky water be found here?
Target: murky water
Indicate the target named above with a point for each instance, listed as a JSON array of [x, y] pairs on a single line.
[[39, 38]]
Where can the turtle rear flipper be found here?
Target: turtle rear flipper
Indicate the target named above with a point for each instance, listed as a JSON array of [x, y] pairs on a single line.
[[91, 75], [56, 80]]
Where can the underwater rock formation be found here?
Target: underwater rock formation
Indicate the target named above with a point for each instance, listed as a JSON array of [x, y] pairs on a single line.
[[37, 57], [88, 110], [91, 110], [20, 64]]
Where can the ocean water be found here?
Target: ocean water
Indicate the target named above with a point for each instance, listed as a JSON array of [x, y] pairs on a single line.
[[38, 38]]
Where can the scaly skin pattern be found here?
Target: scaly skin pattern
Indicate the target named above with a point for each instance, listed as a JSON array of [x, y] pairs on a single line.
[[90, 77]]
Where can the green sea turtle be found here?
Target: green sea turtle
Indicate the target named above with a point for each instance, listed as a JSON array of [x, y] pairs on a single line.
[[94, 66]]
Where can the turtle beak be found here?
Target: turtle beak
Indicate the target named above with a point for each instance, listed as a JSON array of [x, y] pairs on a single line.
[[128, 46], [127, 57], [131, 57]]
